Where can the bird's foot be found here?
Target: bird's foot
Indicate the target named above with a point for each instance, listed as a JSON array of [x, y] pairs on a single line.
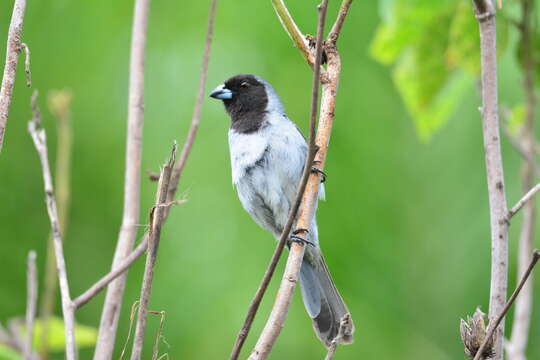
[[299, 239], [315, 169]]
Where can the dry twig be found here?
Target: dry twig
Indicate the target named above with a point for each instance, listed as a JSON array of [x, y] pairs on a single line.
[[14, 46], [192, 133], [494, 324], [130, 218], [485, 14], [31, 303], [157, 217], [39, 138], [524, 200]]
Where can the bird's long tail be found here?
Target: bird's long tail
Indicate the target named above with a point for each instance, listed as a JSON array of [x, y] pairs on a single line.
[[324, 304]]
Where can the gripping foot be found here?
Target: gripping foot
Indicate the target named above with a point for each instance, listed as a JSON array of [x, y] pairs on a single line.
[[317, 170]]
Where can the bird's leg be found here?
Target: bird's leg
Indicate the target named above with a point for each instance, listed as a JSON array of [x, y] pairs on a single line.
[[299, 239], [317, 170]]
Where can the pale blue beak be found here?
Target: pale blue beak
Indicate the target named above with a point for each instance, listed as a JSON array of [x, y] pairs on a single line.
[[221, 92]]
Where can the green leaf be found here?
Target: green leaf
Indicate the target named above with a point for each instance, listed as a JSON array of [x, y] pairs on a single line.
[[403, 25], [85, 336], [464, 40], [7, 353]]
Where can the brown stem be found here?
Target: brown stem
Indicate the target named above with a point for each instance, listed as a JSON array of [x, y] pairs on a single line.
[[130, 218], [157, 216], [12, 57], [39, 138]]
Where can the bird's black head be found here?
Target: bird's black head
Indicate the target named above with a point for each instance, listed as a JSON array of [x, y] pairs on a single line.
[[245, 99]]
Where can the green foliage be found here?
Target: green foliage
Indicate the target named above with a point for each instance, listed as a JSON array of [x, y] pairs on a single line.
[[7, 353], [435, 49], [85, 336]]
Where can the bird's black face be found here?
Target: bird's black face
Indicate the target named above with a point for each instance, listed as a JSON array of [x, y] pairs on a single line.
[[243, 96]]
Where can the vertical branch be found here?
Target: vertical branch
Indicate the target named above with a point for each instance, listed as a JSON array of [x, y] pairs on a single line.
[[485, 13], [31, 301], [157, 216], [517, 344], [59, 104], [317, 145], [14, 45], [39, 138], [130, 218]]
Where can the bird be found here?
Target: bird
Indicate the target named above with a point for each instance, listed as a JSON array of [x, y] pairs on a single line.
[[268, 154]]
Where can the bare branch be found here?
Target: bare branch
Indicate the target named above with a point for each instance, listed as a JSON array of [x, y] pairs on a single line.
[[485, 14], [345, 324], [186, 150], [493, 325], [12, 58], [130, 218], [39, 138], [31, 303], [105, 280], [157, 217], [528, 196], [280, 309]]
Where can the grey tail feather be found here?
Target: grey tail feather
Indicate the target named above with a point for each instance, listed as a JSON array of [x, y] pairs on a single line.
[[324, 304]]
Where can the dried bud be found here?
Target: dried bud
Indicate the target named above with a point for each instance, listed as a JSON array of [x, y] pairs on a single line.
[[473, 333]]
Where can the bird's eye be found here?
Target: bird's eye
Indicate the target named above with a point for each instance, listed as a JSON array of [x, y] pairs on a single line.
[[244, 86]]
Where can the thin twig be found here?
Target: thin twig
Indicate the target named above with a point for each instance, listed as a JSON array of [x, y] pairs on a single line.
[[333, 36], [156, 221], [10, 68], [527, 197], [485, 14], [31, 303], [493, 325], [59, 104], [27, 71], [297, 37], [39, 138], [294, 262], [105, 280], [192, 133], [344, 325], [517, 345], [130, 217]]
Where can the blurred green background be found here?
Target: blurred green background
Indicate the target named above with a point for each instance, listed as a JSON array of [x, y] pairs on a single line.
[[405, 227]]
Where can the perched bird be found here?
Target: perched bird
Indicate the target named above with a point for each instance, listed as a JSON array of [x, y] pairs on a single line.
[[268, 154]]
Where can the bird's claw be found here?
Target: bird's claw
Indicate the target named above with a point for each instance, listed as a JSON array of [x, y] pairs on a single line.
[[298, 239], [317, 170]]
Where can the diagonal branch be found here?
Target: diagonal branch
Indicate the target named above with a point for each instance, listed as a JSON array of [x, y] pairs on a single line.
[[494, 324], [527, 197], [130, 218], [186, 150], [14, 46], [39, 138]]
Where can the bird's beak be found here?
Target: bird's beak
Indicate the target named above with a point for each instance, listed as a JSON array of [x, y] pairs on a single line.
[[221, 92]]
